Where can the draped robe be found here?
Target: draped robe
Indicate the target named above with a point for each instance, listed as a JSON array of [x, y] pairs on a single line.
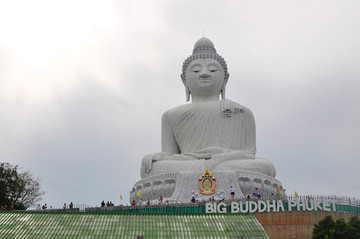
[[225, 124], [219, 135]]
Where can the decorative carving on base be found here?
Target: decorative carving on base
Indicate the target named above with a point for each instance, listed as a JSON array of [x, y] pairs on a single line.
[[179, 187], [207, 183]]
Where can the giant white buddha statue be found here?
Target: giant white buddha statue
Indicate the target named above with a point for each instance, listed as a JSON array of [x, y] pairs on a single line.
[[210, 132]]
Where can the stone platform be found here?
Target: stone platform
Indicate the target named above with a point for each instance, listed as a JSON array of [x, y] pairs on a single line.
[[182, 186]]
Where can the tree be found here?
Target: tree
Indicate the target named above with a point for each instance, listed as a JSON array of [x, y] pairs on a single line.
[[353, 228], [18, 190], [330, 229], [339, 230], [322, 229]]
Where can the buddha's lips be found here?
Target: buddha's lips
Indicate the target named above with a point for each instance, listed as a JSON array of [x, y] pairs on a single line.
[[205, 79]]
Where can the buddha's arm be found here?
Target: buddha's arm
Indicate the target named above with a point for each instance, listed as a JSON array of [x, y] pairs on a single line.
[[225, 154], [249, 146], [168, 145], [168, 142]]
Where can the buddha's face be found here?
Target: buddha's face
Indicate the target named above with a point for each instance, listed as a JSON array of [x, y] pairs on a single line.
[[205, 77]]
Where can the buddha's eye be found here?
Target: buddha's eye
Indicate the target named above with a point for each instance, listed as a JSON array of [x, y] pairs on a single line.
[[196, 69], [213, 68]]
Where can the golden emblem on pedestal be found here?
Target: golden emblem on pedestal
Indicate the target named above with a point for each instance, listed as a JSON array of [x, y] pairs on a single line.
[[207, 183]]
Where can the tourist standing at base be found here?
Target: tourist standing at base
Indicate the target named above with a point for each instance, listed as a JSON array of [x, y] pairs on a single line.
[[232, 192]]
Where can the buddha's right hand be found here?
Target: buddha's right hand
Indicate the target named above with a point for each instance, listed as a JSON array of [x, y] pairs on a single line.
[[149, 158]]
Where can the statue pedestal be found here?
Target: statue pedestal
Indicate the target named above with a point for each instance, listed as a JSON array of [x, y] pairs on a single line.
[[182, 186]]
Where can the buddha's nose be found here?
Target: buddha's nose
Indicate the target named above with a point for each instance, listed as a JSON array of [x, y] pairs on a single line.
[[204, 75]]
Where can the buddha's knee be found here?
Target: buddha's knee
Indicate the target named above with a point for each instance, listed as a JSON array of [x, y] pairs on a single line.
[[170, 166], [257, 165]]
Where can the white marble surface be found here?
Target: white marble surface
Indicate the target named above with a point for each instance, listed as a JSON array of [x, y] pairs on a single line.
[[181, 186], [208, 132]]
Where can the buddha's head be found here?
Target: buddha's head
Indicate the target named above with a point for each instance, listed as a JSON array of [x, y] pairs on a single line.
[[204, 73]]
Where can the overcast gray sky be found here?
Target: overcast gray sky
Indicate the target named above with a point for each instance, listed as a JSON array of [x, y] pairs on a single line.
[[83, 85]]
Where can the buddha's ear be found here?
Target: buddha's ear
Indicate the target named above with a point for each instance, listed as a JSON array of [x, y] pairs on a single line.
[[187, 91], [224, 86]]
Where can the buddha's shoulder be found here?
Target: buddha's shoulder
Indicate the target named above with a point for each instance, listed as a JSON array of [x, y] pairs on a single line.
[[175, 112], [236, 106]]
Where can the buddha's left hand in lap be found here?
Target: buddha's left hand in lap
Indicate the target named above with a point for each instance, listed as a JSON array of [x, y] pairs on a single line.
[[219, 153]]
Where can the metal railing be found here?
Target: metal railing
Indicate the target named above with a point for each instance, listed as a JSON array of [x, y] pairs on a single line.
[[343, 204]]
